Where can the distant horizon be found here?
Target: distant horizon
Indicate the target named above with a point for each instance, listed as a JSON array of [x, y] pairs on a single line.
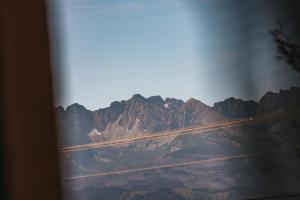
[[165, 98]]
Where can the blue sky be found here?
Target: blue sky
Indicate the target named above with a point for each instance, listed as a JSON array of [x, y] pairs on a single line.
[[206, 49]]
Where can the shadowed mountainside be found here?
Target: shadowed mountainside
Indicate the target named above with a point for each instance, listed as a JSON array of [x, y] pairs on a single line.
[[276, 171]]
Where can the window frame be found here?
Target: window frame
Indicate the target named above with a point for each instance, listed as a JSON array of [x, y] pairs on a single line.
[[29, 140]]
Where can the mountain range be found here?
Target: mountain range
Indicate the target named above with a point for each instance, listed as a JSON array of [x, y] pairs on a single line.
[[140, 115], [274, 170]]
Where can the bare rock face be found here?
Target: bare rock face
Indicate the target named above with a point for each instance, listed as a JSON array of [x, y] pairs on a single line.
[[136, 116], [72, 122], [103, 116], [236, 108], [285, 99], [196, 112], [147, 115]]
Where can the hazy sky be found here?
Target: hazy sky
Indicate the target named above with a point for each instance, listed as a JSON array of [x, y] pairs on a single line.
[[205, 49]]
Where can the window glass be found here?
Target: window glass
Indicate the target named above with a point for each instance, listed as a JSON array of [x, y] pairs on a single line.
[[174, 99]]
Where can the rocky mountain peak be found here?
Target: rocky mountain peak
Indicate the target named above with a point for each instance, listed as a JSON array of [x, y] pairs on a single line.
[[117, 106], [193, 101], [196, 105], [76, 107], [236, 108], [156, 100], [284, 99], [59, 109], [137, 97], [172, 103]]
